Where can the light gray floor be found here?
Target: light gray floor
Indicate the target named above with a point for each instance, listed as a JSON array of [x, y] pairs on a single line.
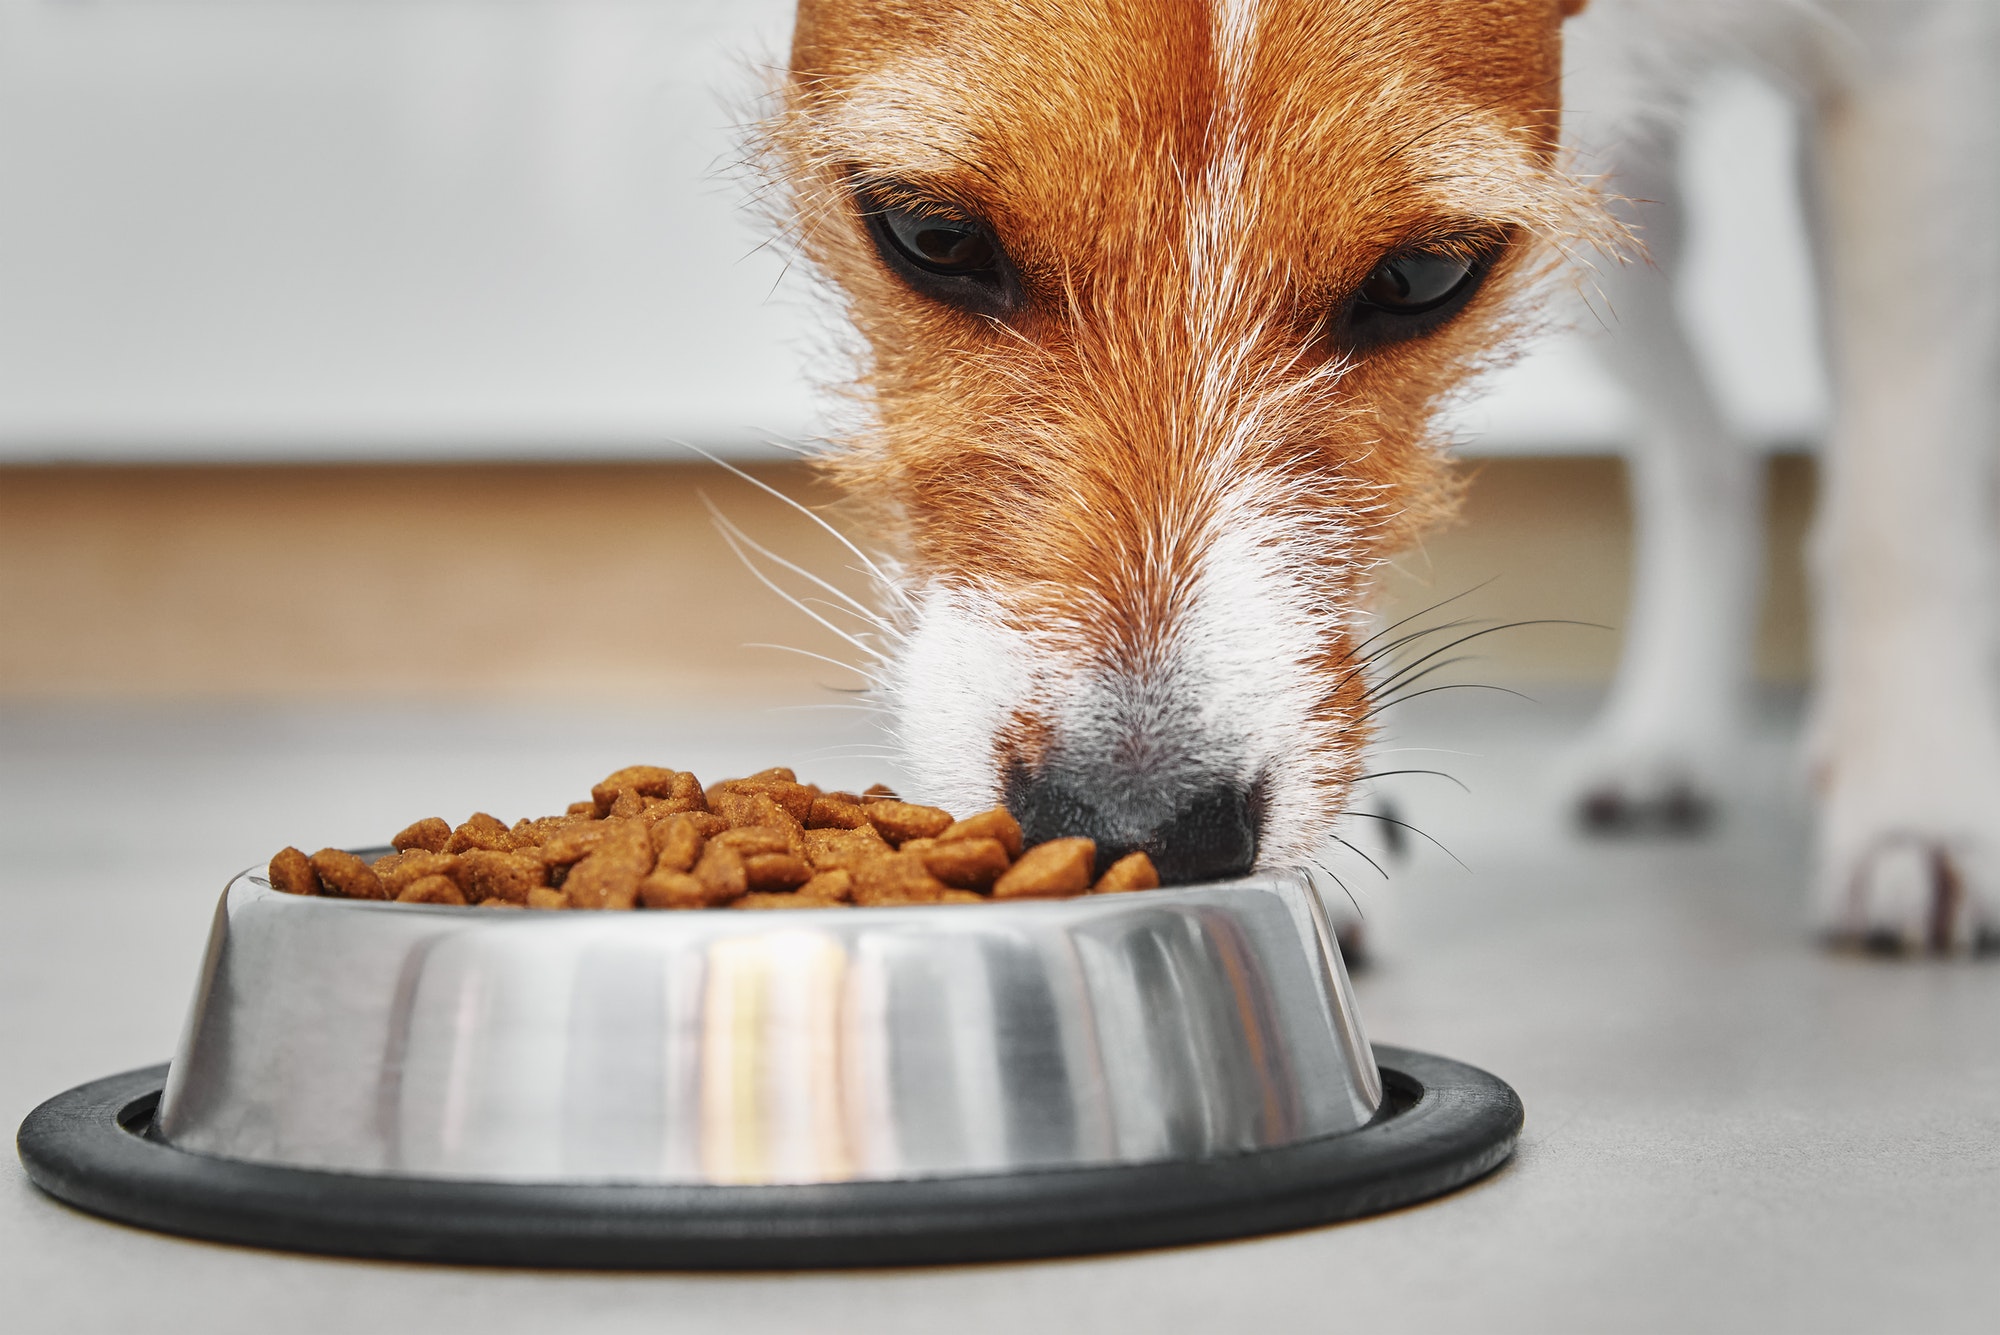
[[1727, 1129]]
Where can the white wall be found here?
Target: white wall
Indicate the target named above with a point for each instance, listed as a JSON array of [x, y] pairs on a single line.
[[454, 228]]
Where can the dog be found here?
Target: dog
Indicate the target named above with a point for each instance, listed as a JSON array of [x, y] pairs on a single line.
[[1157, 304]]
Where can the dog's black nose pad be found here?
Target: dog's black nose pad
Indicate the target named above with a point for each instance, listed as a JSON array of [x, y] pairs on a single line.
[[1206, 835], [1212, 836]]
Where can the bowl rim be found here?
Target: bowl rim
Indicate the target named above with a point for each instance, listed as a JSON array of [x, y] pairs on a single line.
[[252, 883]]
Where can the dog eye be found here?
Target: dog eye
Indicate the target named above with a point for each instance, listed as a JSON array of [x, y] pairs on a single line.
[[1414, 284], [945, 254], [940, 245], [1409, 295]]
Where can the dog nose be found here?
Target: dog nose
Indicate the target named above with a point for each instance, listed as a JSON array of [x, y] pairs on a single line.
[[1204, 833]]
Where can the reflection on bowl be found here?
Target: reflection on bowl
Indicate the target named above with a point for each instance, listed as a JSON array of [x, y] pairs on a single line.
[[781, 1046]]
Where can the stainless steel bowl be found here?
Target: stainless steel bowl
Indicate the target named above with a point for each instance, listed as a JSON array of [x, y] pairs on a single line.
[[789, 1046]]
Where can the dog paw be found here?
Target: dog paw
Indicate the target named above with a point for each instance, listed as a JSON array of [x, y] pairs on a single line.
[[1638, 789], [1910, 867]]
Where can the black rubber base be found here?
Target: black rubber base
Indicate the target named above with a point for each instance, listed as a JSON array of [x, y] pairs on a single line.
[[1442, 1125]]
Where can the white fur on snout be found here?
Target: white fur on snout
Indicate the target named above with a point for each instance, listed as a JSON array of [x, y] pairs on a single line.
[[1251, 650], [958, 678], [1226, 692]]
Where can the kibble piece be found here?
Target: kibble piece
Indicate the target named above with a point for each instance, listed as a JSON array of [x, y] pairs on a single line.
[[778, 781], [507, 876], [432, 890], [647, 789], [480, 831], [963, 897], [644, 780], [1134, 871], [346, 875], [900, 878], [878, 792], [833, 887], [291, 871], [836, 811], [500, 904], [752, 839], [654, 780], [608, 877], [721, 872], [743, 809], [581, 809], [829, 849], [775, 832], [413, 865], [575, 843], [796, 798], [767, 872], [899, 821], [687, 795], [430, 834], [677, 842], [998, 823], [528, 835], [672, 890], [966, 864], [1052, 870], [542, 897]]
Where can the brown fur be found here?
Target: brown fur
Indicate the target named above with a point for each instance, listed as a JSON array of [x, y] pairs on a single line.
[[1077, 452]]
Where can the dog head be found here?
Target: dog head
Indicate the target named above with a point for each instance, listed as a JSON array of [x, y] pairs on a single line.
[[1158, 299]]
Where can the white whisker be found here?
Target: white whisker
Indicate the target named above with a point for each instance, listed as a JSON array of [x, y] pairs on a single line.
[[893, 588], [863, 673], [781, 709], [776, 588], [860, 608]]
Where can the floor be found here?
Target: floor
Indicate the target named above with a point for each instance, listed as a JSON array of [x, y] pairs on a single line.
[[1727, 1128]]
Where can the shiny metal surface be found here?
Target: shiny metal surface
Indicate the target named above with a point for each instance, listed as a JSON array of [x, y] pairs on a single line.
[[762, 1047]]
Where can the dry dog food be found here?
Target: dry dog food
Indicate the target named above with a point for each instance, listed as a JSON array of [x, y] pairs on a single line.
[[656, 838]]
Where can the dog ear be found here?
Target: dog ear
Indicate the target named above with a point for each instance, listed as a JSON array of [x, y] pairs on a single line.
[[1571, 8]]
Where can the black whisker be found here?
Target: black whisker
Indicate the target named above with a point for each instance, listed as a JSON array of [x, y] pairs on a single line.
[[1448, 686], [1391, 773], [1402, 680], [1334, 877], [1479, 634], [1373, 656], [1421, 612], [1358, 853], [1392, 645], [1412, 829]]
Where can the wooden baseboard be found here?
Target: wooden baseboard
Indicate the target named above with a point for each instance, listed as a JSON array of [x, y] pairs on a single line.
[[611, 582]]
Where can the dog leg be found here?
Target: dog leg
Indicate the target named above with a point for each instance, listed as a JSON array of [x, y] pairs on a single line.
[[1908, 734], [1656, 754]]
